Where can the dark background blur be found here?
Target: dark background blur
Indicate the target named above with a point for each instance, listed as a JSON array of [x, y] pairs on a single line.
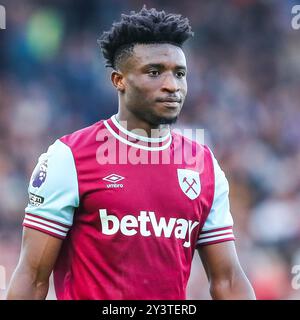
[[244, 90]]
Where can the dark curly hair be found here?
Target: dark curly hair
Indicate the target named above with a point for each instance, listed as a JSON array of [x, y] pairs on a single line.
[[144, 27]]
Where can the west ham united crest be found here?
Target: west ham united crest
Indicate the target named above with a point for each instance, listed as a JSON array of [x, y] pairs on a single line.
[[189, 182], [40, 174]]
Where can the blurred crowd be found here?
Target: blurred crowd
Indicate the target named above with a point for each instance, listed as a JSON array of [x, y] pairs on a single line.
[[244, 90]]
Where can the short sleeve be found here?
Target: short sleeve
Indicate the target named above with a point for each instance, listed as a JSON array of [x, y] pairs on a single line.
[[53, 192], [219, 223]]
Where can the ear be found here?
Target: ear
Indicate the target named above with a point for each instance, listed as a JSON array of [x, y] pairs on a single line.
[[117, 80]]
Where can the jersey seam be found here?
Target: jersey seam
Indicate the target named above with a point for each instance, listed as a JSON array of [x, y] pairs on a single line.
[[75, 165], [213, 193]]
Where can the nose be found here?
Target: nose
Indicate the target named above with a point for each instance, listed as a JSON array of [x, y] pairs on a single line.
[[170, 83]]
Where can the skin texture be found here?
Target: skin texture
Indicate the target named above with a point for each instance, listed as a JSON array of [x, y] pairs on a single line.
[[30, 281], [155, 72], [226, 277]]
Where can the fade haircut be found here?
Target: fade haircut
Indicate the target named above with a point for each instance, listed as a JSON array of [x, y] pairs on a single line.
[[148, 26]]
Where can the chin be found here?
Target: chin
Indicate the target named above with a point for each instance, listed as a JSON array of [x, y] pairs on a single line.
[[168, 120], [167, 117], [157, 120]]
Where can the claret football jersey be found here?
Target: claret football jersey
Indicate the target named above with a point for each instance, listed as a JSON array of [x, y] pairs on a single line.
[[130, 210]]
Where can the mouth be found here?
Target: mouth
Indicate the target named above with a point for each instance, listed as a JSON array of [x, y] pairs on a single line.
[[170, 103], [169, 99]]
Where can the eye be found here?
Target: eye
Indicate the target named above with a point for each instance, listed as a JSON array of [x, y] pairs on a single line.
[[153, 73], [180, 74]]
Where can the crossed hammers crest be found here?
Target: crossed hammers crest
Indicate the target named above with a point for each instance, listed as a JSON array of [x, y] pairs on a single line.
[[190, 185]]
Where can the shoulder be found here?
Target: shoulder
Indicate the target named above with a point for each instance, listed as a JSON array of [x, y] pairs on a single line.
[[196, 143], [53, 165], [82, 137], [193, 149]]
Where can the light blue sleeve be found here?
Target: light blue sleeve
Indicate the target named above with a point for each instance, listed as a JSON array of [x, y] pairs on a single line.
[[53, 192], [219, 222]]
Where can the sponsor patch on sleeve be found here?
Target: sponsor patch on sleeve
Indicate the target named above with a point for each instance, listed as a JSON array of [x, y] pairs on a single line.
[[35, 200]]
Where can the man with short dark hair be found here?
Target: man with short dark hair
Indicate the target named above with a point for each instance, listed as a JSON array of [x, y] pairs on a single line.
[[117, 209]]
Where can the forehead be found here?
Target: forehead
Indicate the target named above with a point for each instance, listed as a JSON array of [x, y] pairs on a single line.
[[166, 54]]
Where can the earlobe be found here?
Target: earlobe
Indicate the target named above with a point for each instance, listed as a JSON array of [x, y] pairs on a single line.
[[117, 80]]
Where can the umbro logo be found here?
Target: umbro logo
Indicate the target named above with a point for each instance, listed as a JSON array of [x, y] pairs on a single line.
[[113, 179]]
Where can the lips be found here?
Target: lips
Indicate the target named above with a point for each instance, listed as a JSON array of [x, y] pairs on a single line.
[[170, 100]]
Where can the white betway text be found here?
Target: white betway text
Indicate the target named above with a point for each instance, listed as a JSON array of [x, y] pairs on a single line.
[[130, 225]]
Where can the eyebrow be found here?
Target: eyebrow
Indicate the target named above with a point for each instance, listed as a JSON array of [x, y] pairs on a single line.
[[162, 66]]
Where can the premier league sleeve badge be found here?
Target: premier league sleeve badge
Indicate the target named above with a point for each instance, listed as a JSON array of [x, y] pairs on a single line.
[[40, 174]]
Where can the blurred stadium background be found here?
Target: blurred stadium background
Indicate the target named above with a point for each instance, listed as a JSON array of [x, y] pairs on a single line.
[[244, 90]]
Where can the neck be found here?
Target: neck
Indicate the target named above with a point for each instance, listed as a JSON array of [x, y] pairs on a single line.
[[131, 122]]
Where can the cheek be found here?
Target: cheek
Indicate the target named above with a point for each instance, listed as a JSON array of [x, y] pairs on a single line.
[[184, 89], [140, 89], [184, 85]]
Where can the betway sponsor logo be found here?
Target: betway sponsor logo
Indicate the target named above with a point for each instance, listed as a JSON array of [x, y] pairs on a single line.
[[130, 225]]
